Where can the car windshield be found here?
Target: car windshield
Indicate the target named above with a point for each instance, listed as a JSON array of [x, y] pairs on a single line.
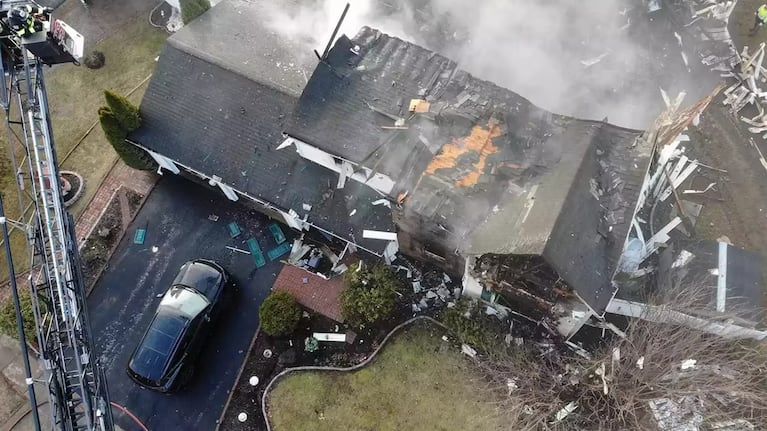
[[184, 301], [201, 277], [153, 353]]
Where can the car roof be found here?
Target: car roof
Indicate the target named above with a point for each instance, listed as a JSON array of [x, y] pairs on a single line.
[[200, 275], [153, 353]]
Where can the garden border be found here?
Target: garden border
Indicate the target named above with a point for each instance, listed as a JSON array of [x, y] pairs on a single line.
[[89, 289], [352, 368]]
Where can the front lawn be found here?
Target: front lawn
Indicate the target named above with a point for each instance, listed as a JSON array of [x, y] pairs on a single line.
[[418, 381]]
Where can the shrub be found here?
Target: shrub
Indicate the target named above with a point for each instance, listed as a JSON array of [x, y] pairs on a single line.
[[474, 329], [279, 314], [368, 294], [191, 9], [8, 317], [94, 60], [124, 111], [132, 155]]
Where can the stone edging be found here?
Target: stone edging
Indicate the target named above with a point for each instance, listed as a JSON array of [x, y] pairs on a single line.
[[352, 368]]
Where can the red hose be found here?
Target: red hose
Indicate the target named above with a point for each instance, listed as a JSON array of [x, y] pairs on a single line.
[[131, 415]]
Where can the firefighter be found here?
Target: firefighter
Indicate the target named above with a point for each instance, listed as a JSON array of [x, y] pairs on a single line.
[[760, 17], [27, 20]]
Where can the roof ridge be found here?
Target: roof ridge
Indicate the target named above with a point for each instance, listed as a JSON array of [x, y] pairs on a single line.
[[219, 62]]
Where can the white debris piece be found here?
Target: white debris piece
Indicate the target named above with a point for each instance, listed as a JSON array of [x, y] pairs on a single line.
[[565, 411], [734, 425], [688, 364], [625, 26], [684, 414], [468, 351], [375, 234], [600, 371], [329, 336], [684, 58], [683, 259], [592, 61], [698, 192], [382, 202], [416, 286], [307, 207], [512, 385], [640, 363]]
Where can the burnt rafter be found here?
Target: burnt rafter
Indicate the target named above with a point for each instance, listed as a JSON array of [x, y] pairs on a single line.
[[524, 275]]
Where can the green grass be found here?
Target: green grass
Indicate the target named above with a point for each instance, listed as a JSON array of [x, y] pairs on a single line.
[[74, 96], [417, 382]]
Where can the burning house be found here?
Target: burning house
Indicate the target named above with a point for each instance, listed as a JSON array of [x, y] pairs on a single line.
[[383, 146], [532, 208]]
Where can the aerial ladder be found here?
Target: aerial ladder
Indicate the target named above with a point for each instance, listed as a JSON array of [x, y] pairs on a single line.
[[76, 387]]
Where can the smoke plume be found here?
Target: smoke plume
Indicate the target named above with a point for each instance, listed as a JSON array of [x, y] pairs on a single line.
[[589, 59]]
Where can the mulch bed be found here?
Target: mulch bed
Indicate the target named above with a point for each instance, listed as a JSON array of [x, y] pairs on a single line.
[[107, 233], [246, 398]]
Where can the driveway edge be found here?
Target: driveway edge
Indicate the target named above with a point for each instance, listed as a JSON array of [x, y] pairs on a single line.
[[237, 379]]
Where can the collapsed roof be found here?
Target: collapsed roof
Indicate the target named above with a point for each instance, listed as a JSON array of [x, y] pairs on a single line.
[[217, 103], [494, 172]]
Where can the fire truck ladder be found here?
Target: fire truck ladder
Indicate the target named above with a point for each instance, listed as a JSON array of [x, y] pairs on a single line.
[[76, 385]]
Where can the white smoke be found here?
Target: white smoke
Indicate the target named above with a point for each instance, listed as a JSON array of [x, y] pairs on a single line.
[[545, 50]]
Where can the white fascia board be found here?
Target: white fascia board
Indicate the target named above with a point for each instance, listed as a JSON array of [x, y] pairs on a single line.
[[375, 180]]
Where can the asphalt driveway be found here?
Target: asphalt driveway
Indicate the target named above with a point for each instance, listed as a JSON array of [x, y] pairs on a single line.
[[125, 298]]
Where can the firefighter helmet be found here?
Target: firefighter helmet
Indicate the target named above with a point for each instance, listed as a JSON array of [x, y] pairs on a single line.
[[17, 17]]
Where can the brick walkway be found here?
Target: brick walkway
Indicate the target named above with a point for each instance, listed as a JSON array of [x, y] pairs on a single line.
[[312, 291], [120, 175]]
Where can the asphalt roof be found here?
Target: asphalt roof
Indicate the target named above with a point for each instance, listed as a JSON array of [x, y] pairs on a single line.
[[219, 108], [234, 35], [494, 172]]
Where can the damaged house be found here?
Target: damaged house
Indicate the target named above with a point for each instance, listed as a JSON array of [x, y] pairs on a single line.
[[384, 146], [532, 207]]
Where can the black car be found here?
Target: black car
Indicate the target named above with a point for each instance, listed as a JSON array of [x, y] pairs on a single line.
[[164, 358]]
